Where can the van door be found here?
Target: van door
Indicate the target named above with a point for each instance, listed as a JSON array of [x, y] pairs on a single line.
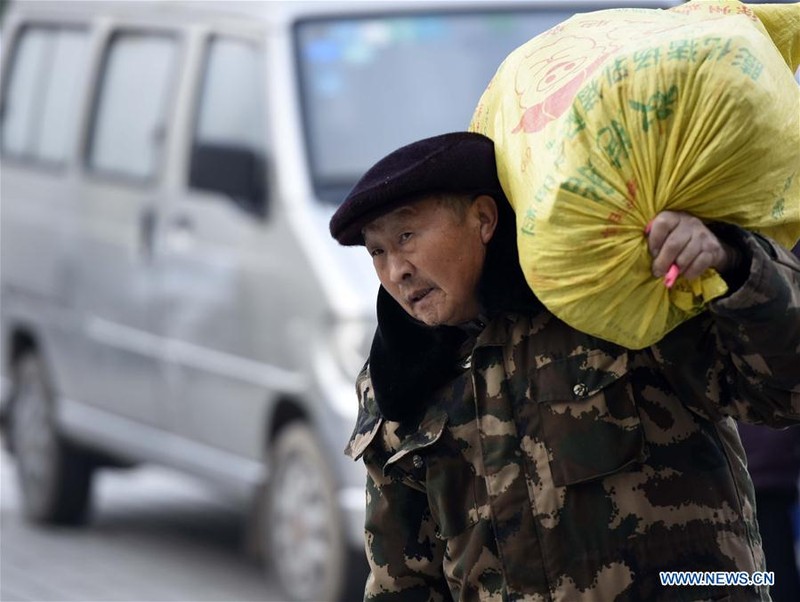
[[218, 272], [119, 200], [44, 86]]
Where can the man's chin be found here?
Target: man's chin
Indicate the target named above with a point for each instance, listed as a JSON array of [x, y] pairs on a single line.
[[428, 322], [426, 318]]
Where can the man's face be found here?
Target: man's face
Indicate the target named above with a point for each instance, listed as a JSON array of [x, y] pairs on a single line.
[[429, 256]]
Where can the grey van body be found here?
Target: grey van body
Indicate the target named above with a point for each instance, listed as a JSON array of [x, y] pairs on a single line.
[[170, 292]]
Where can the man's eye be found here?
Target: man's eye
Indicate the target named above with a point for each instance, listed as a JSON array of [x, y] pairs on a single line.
[[405, 236], [375, 252]]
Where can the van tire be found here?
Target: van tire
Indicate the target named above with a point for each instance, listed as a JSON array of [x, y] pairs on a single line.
[[54, 476], [305, 541]]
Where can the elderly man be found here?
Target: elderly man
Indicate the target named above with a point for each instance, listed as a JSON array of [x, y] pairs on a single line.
[[511, 457]]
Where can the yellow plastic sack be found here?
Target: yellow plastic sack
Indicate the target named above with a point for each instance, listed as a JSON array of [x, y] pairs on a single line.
[[614, 116]]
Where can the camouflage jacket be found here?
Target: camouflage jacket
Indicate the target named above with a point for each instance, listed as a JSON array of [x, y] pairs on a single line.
[[557, 466]]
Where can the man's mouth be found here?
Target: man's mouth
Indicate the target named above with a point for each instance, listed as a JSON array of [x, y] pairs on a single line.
[[418, 295]]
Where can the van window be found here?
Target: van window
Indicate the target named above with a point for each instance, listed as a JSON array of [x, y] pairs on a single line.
[[229, 139], [130, 116], [231, 102], [40, 105], [372, 84]]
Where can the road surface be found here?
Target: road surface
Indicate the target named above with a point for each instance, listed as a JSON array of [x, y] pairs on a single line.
[[155, 536]]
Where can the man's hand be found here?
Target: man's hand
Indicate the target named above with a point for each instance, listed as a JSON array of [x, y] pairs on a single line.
[[682, 239]]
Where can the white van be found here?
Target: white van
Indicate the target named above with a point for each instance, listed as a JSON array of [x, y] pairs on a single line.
[[170, 292]]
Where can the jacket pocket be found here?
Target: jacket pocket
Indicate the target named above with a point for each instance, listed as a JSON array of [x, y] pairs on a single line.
[[408, 462], [589, 420], [452, 492], [433, 460]]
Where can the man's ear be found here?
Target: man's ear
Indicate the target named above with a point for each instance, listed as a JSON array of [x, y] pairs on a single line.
[[486, 210]]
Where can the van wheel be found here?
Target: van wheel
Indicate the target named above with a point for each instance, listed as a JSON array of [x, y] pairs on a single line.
[[54, 477], [304, 533]]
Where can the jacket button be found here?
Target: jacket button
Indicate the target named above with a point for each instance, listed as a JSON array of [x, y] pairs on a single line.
[[416, 460], [580, 390]]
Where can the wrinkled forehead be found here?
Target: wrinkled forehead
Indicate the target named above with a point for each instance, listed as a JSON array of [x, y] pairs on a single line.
[[393, 219]]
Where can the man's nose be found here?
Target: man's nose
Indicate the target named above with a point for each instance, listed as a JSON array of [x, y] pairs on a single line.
[[399, 268]]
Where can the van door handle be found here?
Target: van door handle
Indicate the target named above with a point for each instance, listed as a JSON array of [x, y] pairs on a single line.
[[180, 233], [148, 219], [182, 223]]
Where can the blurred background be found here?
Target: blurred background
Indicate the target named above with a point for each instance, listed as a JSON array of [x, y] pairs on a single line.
[[179, 335]]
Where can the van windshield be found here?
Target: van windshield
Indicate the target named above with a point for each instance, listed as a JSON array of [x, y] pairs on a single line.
[[372, 84]]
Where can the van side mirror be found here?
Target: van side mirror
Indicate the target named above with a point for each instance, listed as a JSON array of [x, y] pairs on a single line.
[[236, 171]]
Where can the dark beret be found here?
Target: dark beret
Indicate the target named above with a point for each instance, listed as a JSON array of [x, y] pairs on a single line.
[[461, 162]]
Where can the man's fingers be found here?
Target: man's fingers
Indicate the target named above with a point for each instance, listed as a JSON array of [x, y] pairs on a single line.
[[659, 229], [682, 240], [677, 242], [697, 265]]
